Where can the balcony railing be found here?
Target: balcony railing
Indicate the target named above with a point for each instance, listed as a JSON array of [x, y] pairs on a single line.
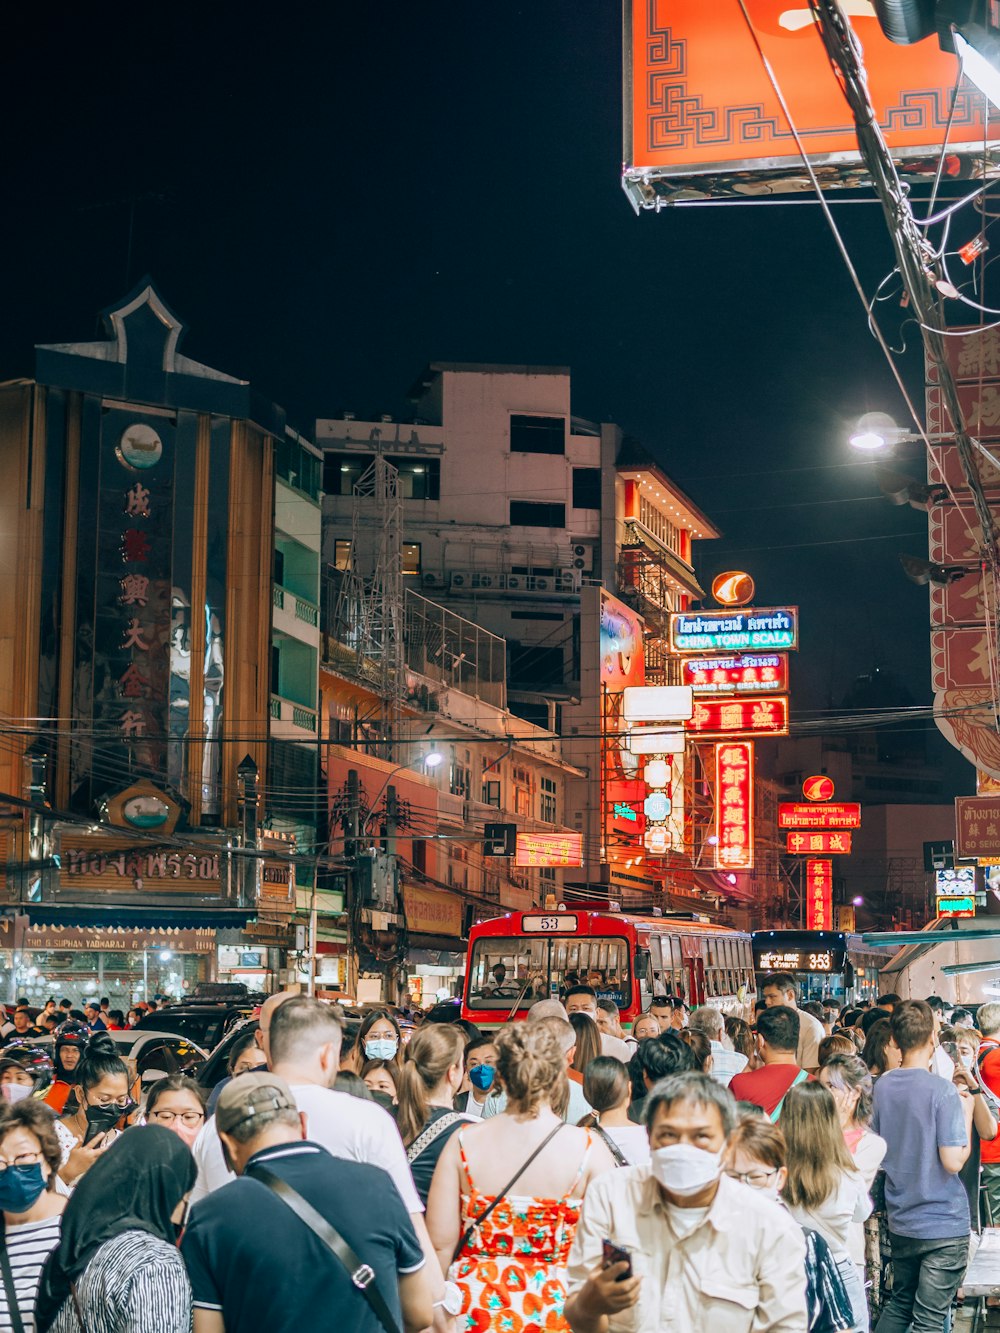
[[299, 607], [285, 710]]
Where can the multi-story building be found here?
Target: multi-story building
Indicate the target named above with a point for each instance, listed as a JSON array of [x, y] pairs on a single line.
[[138, 540]]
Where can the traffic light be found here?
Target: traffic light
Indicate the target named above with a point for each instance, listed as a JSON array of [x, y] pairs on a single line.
[[500, 840]]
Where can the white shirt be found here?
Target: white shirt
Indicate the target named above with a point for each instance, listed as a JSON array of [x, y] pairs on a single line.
[[811, 1033], [632, 1140], [726, 1064], [616, 1047], [345, 1126], [848, 1203]]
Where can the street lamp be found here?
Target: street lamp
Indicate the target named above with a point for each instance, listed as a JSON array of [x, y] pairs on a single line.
[[433, 759], [875, 431]]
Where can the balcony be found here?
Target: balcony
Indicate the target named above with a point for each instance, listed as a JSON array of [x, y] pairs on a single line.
[[295, 615], [290, 720]]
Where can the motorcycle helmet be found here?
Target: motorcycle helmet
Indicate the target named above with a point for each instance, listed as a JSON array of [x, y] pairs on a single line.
[[32, 1060]]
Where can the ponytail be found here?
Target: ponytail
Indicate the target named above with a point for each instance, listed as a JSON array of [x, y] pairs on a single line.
[[429, 1056]]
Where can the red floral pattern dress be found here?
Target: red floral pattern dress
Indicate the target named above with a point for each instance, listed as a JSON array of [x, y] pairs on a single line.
[[512, 1271]]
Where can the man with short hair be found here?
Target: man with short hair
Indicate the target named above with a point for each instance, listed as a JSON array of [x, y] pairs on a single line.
[[725, 1061], [926, 1123], [888, 1001], [707, 1252], [22, 1026], [658, 1058], [242, 1286], [779, 989], [777, 1033], [988, 1063], [583, 1000], [608, 1018], [661, 1007], [92, 1013]]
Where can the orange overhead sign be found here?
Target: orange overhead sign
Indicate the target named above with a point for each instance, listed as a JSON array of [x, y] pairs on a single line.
[[701, 115], [819, 895], [798, 815], [734, 805], [549, 849]]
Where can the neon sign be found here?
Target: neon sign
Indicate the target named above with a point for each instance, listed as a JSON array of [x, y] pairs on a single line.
[[826, 844], [623, 811], [819, 895], [747, 673], [549, 849], [734, 805], [727, 631], [731, 717], [798, 815]]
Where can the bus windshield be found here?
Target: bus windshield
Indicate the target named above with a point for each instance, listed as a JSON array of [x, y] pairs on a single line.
[[502, 967]]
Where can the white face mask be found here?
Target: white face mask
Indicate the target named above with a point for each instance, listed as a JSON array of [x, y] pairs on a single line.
[[15, 1092], [684, 1170]]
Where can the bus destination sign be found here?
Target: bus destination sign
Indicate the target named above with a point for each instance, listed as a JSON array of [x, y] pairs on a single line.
[[551, 923], [795, 960]]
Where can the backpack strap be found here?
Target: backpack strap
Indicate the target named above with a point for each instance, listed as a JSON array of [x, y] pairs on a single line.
[[800, 1077]]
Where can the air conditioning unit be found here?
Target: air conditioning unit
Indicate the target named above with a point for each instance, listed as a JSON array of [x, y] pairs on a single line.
[[568, 580], [583, 556], [483, 580], [458, 579], [540, 585], [431, 580], [514, 582]]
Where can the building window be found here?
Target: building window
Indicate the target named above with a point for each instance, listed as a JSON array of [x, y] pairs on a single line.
[[537, 435], [547, 810], [536, 514], [419, 478], [586, 488], [522, 801], [411, 557], [460, 780], [342, 555]]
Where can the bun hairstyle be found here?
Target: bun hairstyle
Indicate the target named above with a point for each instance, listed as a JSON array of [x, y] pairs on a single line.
[[98, 1060], [531, 1063], [429, 1056]]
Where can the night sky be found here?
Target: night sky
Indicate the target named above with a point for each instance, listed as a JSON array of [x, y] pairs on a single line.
[[330, 197]]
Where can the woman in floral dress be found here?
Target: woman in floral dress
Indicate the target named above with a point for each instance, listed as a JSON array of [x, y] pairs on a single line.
[[510, 1267]]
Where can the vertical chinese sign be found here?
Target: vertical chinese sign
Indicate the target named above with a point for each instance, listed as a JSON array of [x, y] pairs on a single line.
[[819, 895], [734, 805], [133, 598]]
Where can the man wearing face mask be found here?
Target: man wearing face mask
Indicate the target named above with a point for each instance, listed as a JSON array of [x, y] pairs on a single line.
[[481, 1071], [705, 1251]]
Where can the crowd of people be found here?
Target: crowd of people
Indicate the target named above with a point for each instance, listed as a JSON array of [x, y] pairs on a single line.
[[817, 1169]]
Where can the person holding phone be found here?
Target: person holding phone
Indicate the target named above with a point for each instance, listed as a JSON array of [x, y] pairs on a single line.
[[103, 1106]]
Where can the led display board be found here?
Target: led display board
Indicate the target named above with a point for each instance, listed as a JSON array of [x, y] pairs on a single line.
[[733, 717], [838, 815], [734, 631], [746, 673]]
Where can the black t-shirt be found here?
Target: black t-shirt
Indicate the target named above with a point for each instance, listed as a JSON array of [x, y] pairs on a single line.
[[422, 1166], [250, 1257]]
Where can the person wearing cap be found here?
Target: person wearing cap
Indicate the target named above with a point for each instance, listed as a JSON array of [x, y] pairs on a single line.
[[94, 1020], [240, 1285]]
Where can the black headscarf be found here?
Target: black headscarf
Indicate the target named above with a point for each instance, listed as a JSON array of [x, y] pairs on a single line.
[[135, 1186]]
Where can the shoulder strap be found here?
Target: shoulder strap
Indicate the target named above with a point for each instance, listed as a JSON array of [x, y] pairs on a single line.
[[432, 1133], [467, 1235], [16, 1322], [800, 1077], [362, 1275], [619, 1157], [987, 1048]]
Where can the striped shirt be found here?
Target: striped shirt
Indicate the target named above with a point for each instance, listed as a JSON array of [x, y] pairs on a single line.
[[135, 1283], [28, 1246]]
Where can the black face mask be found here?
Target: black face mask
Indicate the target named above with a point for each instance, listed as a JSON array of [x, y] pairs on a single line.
[[102, 1118]]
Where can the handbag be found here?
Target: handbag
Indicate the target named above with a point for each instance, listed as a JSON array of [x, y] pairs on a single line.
[[362, 1275], [432, 1133], [473, 1226]]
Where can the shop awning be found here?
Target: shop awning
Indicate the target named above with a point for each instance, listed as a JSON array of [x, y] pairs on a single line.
[[149, 918]]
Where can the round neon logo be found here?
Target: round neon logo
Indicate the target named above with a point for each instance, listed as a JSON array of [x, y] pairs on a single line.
[[139, 448], [734, 588], [818, 788]]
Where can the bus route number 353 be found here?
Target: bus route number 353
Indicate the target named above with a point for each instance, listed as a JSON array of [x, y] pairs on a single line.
[[820, 962]]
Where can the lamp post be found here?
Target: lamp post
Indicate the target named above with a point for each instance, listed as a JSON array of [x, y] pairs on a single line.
[[431, 760]]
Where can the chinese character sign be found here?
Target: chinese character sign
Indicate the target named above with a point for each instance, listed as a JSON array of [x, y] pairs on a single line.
[[819, 895], [753, 717], [799, 815], [746, 673], [802, 843], [734, 805]]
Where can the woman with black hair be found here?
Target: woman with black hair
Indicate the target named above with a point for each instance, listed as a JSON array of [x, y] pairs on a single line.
[[103, 1105], [117, 1267]]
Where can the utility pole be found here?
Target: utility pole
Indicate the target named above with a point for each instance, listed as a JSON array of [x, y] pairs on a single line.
[[351, 824]]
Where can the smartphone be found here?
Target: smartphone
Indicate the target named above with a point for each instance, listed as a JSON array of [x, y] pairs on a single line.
[[614, 1254], [951, 1050]]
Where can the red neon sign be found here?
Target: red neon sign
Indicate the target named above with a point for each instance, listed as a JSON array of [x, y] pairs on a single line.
[[798, 815], [824, 844], [746, 673], [549, 849], [733, 717], [734, 805], [819, 895]]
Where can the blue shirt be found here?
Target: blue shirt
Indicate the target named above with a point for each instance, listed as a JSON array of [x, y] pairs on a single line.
[[917, 1113]]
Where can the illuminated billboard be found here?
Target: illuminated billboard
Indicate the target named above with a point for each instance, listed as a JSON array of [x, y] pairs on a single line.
[[818, 844], [733, 631], [819, 895], [549, 849], [734, 805], [622, 667], [734, 717], [838, 815], [702, 119], [746, 673]]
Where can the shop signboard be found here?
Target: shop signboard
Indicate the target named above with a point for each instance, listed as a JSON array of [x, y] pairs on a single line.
[[833, 815], [745, 673], [549, 849], [822, 844], [819, 895], [734, 717], [431, 911], [73, 939], [775, 627], [977, 827], [734, 805]]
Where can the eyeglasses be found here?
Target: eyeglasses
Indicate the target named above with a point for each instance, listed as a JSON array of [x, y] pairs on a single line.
[[188, 1118], [105, 1102], [22, 1159], [755, 1179]]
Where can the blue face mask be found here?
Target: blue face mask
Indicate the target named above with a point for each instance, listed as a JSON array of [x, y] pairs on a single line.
[[21, 1187], [482, 1077], [381, 1048]]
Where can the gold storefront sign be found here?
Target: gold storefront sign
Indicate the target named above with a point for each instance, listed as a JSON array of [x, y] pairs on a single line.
[[75, 939]]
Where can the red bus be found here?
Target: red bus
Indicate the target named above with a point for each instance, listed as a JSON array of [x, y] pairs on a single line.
[[522, 957]]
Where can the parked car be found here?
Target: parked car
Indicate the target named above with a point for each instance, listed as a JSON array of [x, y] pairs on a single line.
[[153, 1055], [204, 1022]]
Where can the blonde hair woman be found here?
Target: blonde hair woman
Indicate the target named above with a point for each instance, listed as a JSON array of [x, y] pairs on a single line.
[[506, 1195], [824, 1190], [426, 1087]]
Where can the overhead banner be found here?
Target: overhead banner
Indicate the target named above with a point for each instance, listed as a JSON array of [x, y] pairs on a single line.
[[731, 630], [702, 119]]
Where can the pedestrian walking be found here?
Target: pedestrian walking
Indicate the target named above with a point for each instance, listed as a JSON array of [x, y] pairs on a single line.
[[583, 1000], [103, 1106], [32, 1208], [778, 1040], [178, 1104], [697, 1250], [431, 1075], [608, 1089], [726, 1062], [116, 1268], [379, 1038], [778, 989], [290, 1190], [481, 1077], [880, 1052], [507, 1192]]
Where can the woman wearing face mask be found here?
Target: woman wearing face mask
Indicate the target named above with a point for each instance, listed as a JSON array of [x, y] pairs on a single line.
[[379, 1076], [103, 1107], [25, 1071], [32, 1210], [824, 1189], [480, 1072], [521, 1247], [117, 1268], [177, 1103], [378, 1039], [431, 1075]]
